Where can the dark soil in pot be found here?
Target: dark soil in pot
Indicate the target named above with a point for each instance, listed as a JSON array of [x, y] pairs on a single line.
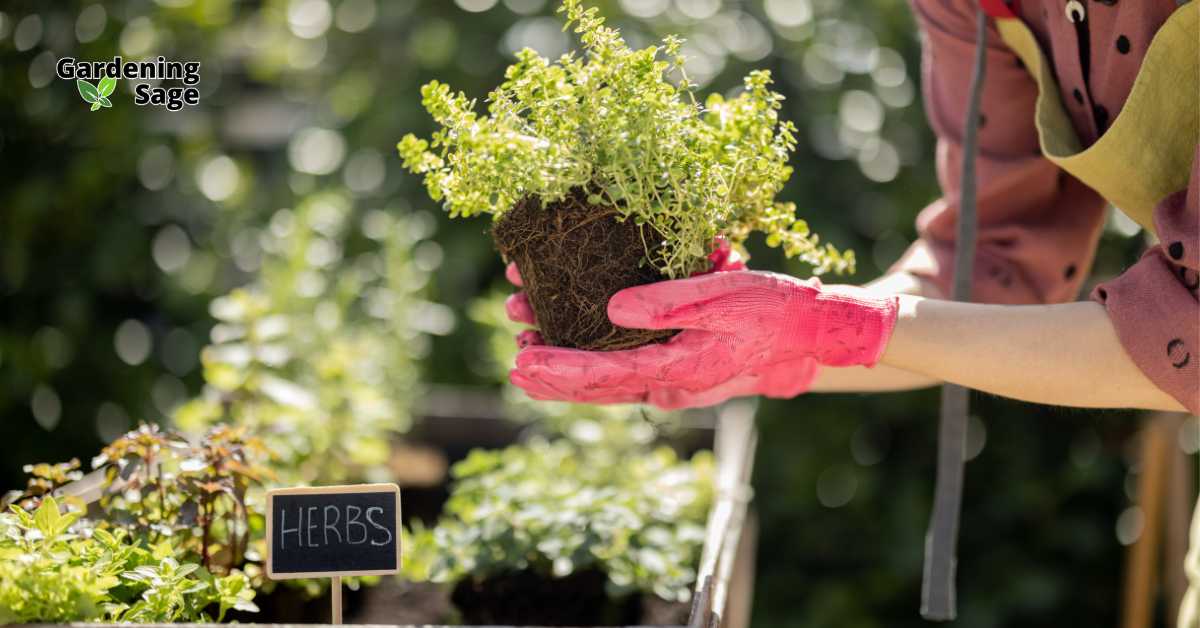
[[524, 598], [573, 256], [394, 601], [284, 605]]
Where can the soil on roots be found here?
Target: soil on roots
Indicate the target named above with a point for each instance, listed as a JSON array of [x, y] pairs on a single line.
[[573, 256]]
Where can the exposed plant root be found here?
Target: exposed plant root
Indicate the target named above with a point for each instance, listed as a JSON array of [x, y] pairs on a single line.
[[573, 256]]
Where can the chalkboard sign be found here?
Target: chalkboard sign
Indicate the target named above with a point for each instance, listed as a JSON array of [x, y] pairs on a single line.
[[327, 531]]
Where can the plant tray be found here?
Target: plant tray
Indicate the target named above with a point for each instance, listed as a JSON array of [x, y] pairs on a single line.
[[725, 577]]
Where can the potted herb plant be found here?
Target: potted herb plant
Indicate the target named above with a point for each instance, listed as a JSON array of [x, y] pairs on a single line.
[[564, 532], [602, 170]]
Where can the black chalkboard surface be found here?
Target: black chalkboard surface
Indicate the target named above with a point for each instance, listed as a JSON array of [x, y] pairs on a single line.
[[325, 531]]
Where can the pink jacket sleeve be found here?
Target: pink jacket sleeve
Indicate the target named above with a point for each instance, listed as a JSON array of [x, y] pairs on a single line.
[[1038, 226], [1154, 304]]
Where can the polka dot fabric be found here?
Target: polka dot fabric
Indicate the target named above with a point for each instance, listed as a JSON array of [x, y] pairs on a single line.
[[1154, 305], [1038, 225]]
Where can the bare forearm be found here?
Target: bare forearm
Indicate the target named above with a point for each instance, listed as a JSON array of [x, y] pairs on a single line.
[[1066, 354], [861, 379]]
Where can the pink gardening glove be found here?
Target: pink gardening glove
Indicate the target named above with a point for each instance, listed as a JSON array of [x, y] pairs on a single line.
[[723, 258], [784, 379], [738, 327]]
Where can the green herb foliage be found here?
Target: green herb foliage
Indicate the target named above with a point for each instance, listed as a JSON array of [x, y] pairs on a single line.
[[53, 568], [609, 121], [160, 486], [318, 356], [557, 507], [173, 536], [311, 367], [44, 478]]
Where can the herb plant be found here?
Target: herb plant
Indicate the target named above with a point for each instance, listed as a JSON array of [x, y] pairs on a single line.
[[610, 122], [171, 537], [318, 357], [556, 508], [159, 486], [311, 369], [55, 568], [44, 479]]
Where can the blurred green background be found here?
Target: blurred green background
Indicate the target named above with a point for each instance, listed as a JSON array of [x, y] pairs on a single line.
[[119, 228]]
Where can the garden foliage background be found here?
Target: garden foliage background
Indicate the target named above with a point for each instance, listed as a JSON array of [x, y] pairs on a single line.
[[121, 231]]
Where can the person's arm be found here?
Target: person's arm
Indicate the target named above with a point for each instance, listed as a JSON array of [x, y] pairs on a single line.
[[738, 325], [859, 379], [946, 340], [1064, 354], [1037, 226]]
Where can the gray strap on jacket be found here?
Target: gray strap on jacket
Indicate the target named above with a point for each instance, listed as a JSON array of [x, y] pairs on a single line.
[[938, 598]]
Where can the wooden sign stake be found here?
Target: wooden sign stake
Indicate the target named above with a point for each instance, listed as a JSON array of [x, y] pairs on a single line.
[[331, 532], [337, 600]]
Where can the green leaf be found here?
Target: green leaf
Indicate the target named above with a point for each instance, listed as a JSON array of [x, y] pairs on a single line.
[[65, 521], [24, 517], [47, 516], [106, 102], [104, 536], [88, 91], [187, 569], [107, 85], [95, 106]]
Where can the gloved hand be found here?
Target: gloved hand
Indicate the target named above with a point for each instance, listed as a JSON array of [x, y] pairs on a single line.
[[657, 374], [518, 309], [743, 333], [783, 380]]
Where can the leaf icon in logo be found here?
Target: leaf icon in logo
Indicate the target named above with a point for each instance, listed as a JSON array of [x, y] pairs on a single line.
[[97, 95], [106, 87], [88, 91]]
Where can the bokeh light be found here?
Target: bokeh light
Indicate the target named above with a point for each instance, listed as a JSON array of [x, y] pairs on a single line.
[[90, 23], [132, 342], [28, 32], [475, 6], [47, 407], [218, 178], [309, 19], [836, 486]]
